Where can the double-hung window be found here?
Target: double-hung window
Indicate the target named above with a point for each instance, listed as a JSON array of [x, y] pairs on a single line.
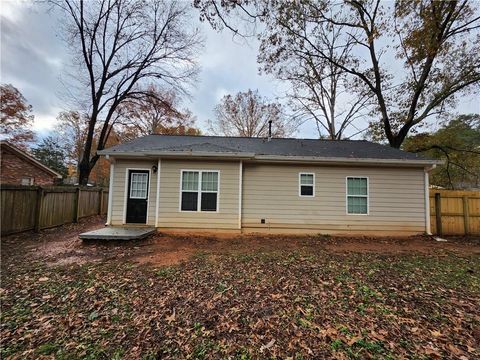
[[357, 195], [306, 184], [199, 190]]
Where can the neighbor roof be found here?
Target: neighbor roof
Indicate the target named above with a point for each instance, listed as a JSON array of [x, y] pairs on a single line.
[[23, 155], [263, 149]]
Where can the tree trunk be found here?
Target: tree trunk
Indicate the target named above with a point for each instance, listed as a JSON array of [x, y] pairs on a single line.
[[84, 170]]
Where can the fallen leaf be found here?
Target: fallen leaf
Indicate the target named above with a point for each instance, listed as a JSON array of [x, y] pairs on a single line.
[[354, 340], [171, 318], [267, 346]]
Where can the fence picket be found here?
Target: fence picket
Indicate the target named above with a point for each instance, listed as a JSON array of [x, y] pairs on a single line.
[[37, 207], [455, 212]]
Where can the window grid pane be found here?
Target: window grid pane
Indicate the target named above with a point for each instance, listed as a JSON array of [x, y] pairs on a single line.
[[190, 181], [306, 190], [189, 201], [357, 186], [357, 205], [209, 201], [209, 181], [306, 179]]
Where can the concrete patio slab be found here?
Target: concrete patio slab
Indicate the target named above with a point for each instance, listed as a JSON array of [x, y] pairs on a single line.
[[118, 233]]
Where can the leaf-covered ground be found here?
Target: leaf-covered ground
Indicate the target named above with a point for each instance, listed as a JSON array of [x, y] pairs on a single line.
[[303, 300]]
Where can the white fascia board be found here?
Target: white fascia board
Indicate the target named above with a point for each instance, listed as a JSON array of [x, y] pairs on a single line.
[[349, 161], [279, 158]]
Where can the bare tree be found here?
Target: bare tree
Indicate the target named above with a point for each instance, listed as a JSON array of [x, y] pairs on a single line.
[[248, 114], [238, 16], [72, 128], [155, 114], [120, 45], [320, 91]]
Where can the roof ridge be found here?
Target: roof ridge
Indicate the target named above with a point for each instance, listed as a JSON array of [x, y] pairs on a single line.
[[202, 143], [261, 138]]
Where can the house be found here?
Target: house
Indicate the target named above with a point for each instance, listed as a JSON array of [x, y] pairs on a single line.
[[20, 168], [275, 185]]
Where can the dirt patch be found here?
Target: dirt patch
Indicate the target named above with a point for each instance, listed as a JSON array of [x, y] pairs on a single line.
[[413, 244], [168, 249], [56, 245], [61, 246]]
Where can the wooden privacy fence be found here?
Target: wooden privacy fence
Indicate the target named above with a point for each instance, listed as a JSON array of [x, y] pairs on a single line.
[[454, 212], [37, 207]]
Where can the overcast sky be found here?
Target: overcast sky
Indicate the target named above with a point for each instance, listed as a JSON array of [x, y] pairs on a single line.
[[33, 59]]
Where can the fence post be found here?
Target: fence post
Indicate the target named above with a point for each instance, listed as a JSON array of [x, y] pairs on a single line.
[[77, 205], [100, 201], [438, 213], [466, 215], [38, 210]]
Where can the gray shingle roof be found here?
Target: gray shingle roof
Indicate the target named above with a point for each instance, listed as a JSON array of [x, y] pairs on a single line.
[[352, 149]]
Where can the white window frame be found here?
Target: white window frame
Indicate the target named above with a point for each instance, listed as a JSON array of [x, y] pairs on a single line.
[[30, 180], [199, 191], [125, 196], [146, 190], [300, 185], [361, 196]]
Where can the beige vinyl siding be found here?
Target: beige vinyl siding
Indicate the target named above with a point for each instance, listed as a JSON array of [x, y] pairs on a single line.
[[270, 192], [170, 215], [119, 183]]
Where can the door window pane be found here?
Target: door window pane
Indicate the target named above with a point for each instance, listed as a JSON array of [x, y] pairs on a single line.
[[138, 185]]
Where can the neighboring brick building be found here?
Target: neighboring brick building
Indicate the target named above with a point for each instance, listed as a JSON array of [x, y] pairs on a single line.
[[20, 168]]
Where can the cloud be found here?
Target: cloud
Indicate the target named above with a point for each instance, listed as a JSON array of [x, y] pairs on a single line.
[[32, 58]]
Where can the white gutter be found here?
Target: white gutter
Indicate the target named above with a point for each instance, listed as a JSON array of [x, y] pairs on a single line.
[[428, 230]]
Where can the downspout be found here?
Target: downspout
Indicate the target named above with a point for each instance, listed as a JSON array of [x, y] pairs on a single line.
[[157, 205], [427, 199], [240, 187], [110, 191]]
